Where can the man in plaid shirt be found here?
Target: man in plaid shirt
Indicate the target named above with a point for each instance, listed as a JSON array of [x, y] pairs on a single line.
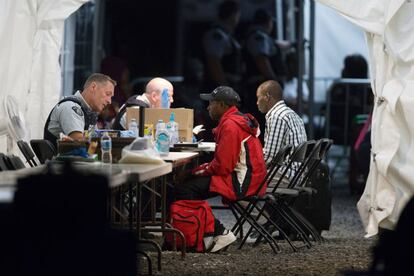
[[283, 125]]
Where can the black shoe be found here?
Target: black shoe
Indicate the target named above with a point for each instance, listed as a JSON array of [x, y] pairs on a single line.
[[254, 235], [270, 228]]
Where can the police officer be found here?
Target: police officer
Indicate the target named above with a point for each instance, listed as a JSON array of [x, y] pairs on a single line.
[[222, 51], [263, 60], [74, 114]]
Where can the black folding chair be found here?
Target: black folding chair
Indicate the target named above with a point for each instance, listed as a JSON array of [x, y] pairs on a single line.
[[283, 198], [43, 149], [27, 152], [3, 162], [15, 162], [300, 155], [10, 162], [243, 213]]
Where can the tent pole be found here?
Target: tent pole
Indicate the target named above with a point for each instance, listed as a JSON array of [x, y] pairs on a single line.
[[311, 83]]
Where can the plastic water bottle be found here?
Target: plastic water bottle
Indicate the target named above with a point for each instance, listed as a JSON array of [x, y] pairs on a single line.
[[162, 139], [133, 126], [170, 133], [172, 126], [106, 148], [165, 98]]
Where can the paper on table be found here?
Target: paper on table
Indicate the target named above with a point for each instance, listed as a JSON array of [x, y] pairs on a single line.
[[197, 129], [147, 156]]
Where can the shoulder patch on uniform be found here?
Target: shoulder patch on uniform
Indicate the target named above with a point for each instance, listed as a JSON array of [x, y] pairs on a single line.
[[77, 110]]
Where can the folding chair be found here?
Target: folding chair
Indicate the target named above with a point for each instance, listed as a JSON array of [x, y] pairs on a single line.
[[10, 162], [244, 213], [27, 152], [3, 162], [15, 162], [43, 149], [322, 147], [284, 197], [299, 155], [272, 168]]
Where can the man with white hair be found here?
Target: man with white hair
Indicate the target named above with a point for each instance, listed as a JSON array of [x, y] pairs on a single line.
[[150, 99]]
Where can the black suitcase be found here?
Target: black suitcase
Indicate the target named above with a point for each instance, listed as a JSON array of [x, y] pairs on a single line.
[[316, 208]]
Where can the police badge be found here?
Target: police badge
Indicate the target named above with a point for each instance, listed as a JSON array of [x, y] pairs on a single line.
[[77, 110]]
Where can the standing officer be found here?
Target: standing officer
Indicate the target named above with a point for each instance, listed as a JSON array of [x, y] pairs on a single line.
[[222, 51], [263, 60]]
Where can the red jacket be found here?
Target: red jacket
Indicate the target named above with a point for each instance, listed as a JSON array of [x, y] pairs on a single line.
[[238, 166]]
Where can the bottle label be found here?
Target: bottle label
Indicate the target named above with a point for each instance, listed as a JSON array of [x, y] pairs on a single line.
[[106, 145], [163, 143], [134, 130]]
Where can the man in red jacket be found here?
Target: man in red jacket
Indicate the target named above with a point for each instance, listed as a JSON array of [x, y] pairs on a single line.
[[238, 166]]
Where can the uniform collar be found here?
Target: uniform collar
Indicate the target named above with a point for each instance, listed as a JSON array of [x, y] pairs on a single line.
[[145, 99], [79, 96]]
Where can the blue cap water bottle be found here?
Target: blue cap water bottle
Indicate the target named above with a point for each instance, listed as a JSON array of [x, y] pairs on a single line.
[[165, 99]]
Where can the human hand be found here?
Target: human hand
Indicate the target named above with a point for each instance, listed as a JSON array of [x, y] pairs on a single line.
[[201, 170]]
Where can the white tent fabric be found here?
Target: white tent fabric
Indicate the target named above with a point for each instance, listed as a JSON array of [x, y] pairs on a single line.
[[31, 37], [389, 31]]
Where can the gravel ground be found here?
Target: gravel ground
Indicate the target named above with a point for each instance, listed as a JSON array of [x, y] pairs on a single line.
[[345, 249]]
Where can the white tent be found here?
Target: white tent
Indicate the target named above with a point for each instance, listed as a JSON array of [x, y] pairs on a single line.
[[31, 36], [389, 28]]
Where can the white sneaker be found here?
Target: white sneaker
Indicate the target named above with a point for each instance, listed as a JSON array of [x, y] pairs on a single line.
[[208, 243], [221, 241]]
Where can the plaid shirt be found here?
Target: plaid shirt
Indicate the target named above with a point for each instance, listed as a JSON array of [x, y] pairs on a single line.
[[283, 127]]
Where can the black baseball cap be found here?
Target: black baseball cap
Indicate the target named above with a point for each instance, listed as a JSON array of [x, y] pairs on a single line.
[[222, 93]]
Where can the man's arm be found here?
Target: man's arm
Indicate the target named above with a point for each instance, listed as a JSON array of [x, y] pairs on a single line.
[[264, 66], [76, 135], [227, 151], [214, 44], [216, 70], [71, 120]]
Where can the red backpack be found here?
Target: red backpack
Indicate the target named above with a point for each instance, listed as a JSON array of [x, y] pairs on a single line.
[[195, 219]]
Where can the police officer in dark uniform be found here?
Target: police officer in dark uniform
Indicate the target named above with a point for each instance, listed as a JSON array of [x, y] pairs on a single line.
[[263, 60], [222, 55], [75, 114], [221, 50]]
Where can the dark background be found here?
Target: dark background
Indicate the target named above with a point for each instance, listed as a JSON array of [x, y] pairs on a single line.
[[143, 34]]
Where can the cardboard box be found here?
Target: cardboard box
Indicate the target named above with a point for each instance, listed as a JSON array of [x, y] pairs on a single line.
[[183, 116]]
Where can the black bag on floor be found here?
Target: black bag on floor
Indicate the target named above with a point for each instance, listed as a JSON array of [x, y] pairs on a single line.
[[316, 208]]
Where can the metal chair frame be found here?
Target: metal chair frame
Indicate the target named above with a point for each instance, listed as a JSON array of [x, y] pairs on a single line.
[[43, 149], [27, 152], [282, 202], [243, 213], [300, 154]]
